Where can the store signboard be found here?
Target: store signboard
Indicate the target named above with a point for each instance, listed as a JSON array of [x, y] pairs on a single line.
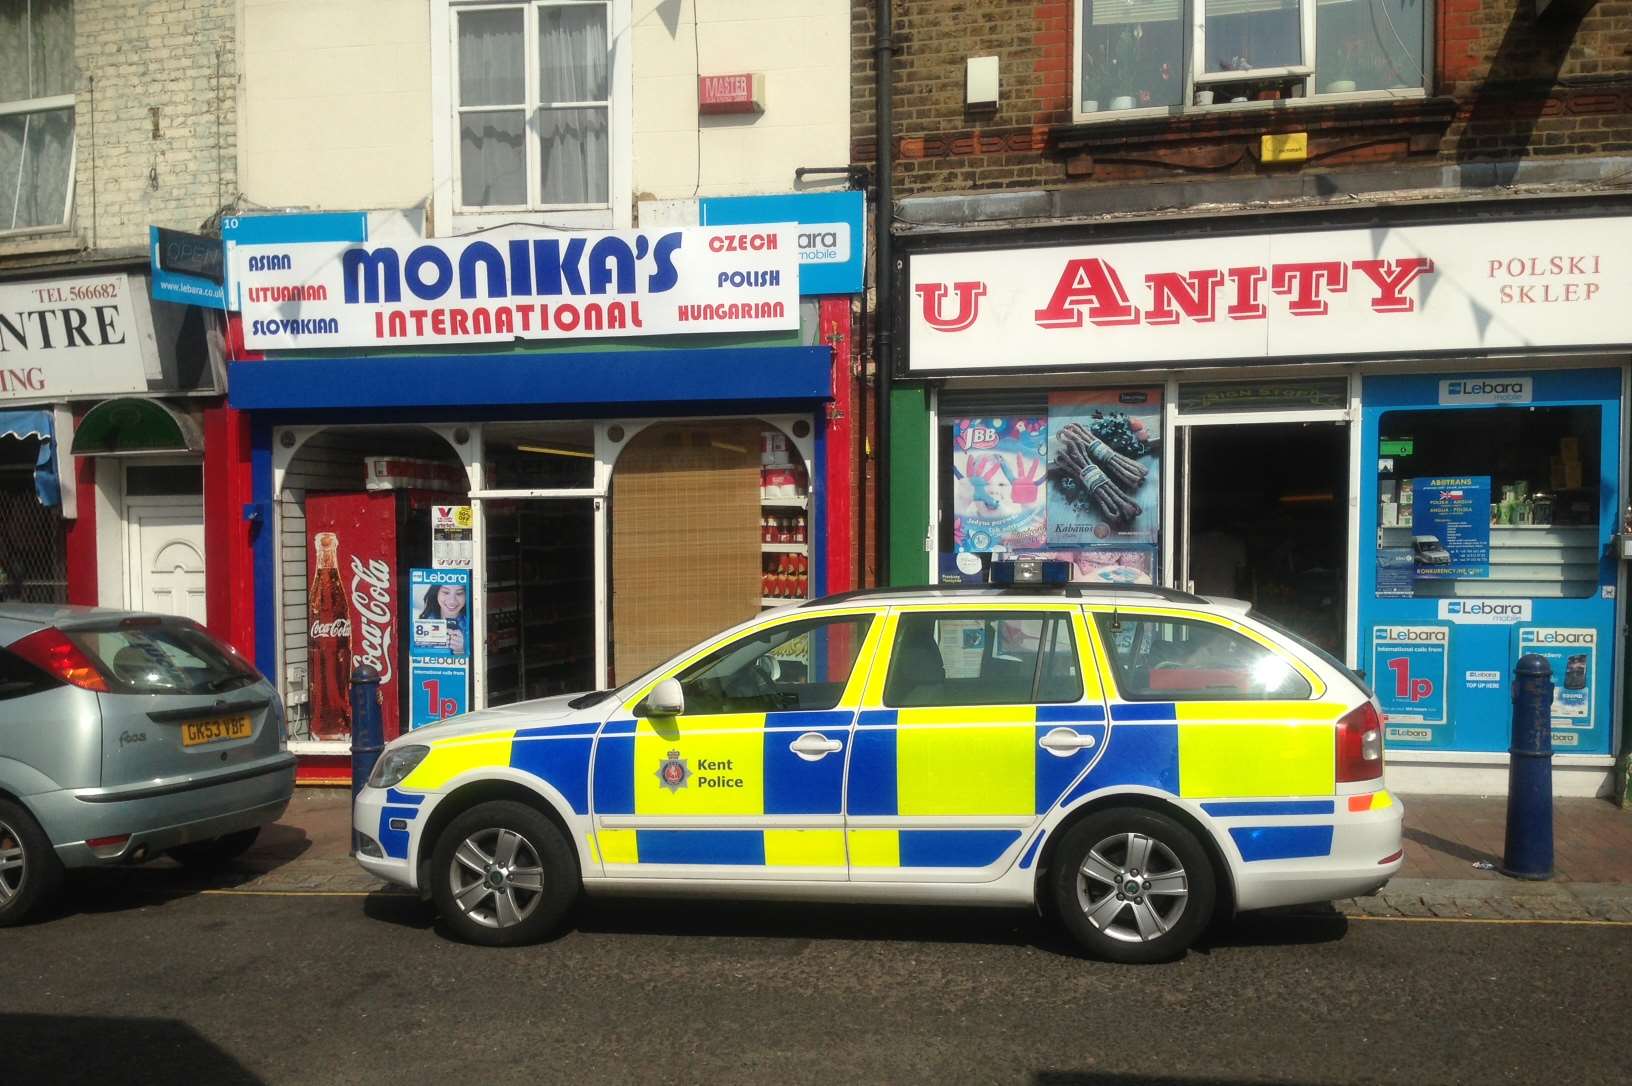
[[1408, 290], [1451, 532], [832, 232], [188, 269], [63, 339], [438, 624], [1409, 668], [532, 285], [1572, 654]]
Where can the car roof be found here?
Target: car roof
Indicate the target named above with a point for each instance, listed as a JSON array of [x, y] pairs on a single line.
[[19, 618], [1122, 595]]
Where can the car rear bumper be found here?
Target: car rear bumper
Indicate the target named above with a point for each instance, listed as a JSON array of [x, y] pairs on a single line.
[[1366, 852], [161, 815]]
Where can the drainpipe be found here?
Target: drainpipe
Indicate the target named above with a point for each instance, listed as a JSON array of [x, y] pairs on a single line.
[[884, 277]]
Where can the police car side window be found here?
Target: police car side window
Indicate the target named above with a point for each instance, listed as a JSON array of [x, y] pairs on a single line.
[[982, 658], [1175, 659], [795, 666]]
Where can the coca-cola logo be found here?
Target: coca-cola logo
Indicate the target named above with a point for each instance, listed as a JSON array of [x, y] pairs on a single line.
[[371, 600], [340, 627]]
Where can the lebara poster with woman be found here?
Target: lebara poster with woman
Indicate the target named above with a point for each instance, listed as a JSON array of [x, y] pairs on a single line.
[[999, 484], [438, 644]]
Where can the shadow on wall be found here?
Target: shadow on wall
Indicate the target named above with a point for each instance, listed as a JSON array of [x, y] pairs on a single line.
[[44, 1049], [1524, 69]]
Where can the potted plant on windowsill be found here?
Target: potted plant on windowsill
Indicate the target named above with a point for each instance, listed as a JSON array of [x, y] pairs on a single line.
[[1126, 66], [1096, 73], [1341, 71]]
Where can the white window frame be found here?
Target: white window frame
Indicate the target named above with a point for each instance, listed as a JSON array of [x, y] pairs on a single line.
[[46, 104], [1193, 54], [448, 215]]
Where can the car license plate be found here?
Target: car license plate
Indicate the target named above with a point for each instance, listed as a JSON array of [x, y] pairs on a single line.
[[212, 731]]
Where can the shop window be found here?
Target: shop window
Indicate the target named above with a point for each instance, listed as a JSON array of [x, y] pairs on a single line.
[[33, 551], [1500, 501], [533, 456], [533, 91], [1072, 476], [687, 527], [982, 658], [1164, 55], [36, 114], [795, 666], [1166, 659]]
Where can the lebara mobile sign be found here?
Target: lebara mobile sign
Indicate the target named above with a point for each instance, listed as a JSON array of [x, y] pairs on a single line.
[[532, 285], [1335, 293]]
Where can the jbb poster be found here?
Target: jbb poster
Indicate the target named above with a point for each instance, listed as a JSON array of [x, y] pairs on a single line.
[[999, 483], [438, 644], [1104, 470]]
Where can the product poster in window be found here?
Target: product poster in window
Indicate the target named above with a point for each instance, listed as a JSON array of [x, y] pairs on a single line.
[[1410, 666], [1450, 527], [438, 644], [1572, 654], [999, 483], [1104, 470]]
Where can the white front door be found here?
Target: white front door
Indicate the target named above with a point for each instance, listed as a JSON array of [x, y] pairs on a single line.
[[165, 555]]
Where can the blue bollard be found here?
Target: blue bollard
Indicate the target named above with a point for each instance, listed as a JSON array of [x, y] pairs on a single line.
[[1529, 850], [367, 729]]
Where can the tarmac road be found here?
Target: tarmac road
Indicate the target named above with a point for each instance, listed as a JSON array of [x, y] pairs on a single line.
[[129, 984]]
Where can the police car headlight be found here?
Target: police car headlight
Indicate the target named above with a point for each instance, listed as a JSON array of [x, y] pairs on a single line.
[[396, 764]]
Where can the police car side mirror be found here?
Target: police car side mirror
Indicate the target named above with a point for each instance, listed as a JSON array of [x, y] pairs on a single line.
[[666, 699]]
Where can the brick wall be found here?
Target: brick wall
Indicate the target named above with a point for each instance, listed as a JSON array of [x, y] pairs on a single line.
[[134, 56], [1507, 86]]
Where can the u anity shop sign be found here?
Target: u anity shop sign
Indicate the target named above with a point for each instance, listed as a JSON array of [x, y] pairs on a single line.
[[1394, 291], [529, 285]]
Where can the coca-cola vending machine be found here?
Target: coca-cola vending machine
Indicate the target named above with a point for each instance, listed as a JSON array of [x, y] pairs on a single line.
[[359, 548]]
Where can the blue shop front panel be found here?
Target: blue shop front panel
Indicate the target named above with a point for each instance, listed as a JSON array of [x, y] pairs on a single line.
[[1489, 503]]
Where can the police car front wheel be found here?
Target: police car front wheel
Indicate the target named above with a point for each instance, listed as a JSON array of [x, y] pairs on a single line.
[[503, 875], [1133, 885]]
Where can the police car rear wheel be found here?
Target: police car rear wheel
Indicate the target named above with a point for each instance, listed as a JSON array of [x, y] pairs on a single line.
[[503, 875], [1133, 886]]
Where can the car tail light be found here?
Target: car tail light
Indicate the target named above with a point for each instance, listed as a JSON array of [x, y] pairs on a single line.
[[52, 652], [1360, 745]]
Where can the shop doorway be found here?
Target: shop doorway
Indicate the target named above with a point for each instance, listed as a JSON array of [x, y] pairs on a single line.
[[1263, 514]]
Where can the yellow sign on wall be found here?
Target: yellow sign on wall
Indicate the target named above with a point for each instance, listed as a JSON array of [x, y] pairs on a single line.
[[1286, 147]]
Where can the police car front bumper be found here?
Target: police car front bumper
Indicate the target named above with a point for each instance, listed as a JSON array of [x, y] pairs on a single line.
[[1367, 850], [384, 827]]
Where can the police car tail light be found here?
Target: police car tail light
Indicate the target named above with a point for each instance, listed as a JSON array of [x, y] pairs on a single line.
[[1360, 745]]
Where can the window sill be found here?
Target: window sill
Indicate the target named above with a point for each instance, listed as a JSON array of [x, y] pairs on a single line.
[[50, 241], [586, 218]]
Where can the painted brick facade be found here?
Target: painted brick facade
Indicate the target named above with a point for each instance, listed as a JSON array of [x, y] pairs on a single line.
[[1505, 86], [134, 168]]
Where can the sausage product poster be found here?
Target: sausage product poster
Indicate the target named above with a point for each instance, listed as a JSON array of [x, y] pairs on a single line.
[[1104, 469], [999, 483]]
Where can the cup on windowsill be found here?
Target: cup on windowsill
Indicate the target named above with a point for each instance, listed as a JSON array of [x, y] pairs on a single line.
[[1204, 98]]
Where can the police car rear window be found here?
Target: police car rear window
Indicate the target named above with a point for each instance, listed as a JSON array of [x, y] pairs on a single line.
[[982, 658], [1174, 659]]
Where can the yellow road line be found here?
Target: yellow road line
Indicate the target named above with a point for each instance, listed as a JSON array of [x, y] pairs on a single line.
[[306, 893], [1496, 920]]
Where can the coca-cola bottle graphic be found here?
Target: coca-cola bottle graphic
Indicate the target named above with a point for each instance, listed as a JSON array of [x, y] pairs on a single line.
[[329, 647]]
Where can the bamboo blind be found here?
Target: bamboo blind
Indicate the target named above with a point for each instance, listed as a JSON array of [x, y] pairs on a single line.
[[685, 539]]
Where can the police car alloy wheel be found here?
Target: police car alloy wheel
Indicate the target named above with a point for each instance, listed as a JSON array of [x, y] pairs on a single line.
[[1132, 886], [29, 869], [503, 875]]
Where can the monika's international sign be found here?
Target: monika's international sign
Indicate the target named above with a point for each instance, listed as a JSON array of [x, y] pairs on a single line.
[[492, 288], [1394, 291]]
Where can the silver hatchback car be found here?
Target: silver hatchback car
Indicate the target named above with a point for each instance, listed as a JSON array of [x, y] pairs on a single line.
[[125, 736]]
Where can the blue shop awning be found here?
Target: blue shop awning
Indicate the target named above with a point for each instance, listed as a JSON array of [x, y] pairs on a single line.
[[714, 375], [36, 423]]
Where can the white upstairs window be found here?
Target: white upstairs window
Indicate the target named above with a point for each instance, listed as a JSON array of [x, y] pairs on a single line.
[[36, 114]]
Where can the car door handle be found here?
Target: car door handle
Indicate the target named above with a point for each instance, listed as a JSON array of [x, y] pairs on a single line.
[[1063, 742], [814, 746]]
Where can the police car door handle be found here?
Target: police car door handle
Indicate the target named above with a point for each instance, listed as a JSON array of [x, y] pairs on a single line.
[[1064, 742], [814, 746]]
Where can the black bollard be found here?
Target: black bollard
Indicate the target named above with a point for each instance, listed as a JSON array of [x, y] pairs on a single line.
[[367, 730], [1529, 850]]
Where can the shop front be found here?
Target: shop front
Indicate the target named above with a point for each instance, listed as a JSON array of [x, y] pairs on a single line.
[[492, 517], [1404, 441]]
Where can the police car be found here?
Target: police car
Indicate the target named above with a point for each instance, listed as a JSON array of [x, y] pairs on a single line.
[[1129, 760]]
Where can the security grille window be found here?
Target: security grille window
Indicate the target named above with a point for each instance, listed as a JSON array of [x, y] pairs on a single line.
[[532, 96], [1165, 55], [36, 113], [33, 550], [982, 658], [795, 666], [1168, 659]]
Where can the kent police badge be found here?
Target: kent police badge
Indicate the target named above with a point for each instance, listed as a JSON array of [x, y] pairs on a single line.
[[673, 773]]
